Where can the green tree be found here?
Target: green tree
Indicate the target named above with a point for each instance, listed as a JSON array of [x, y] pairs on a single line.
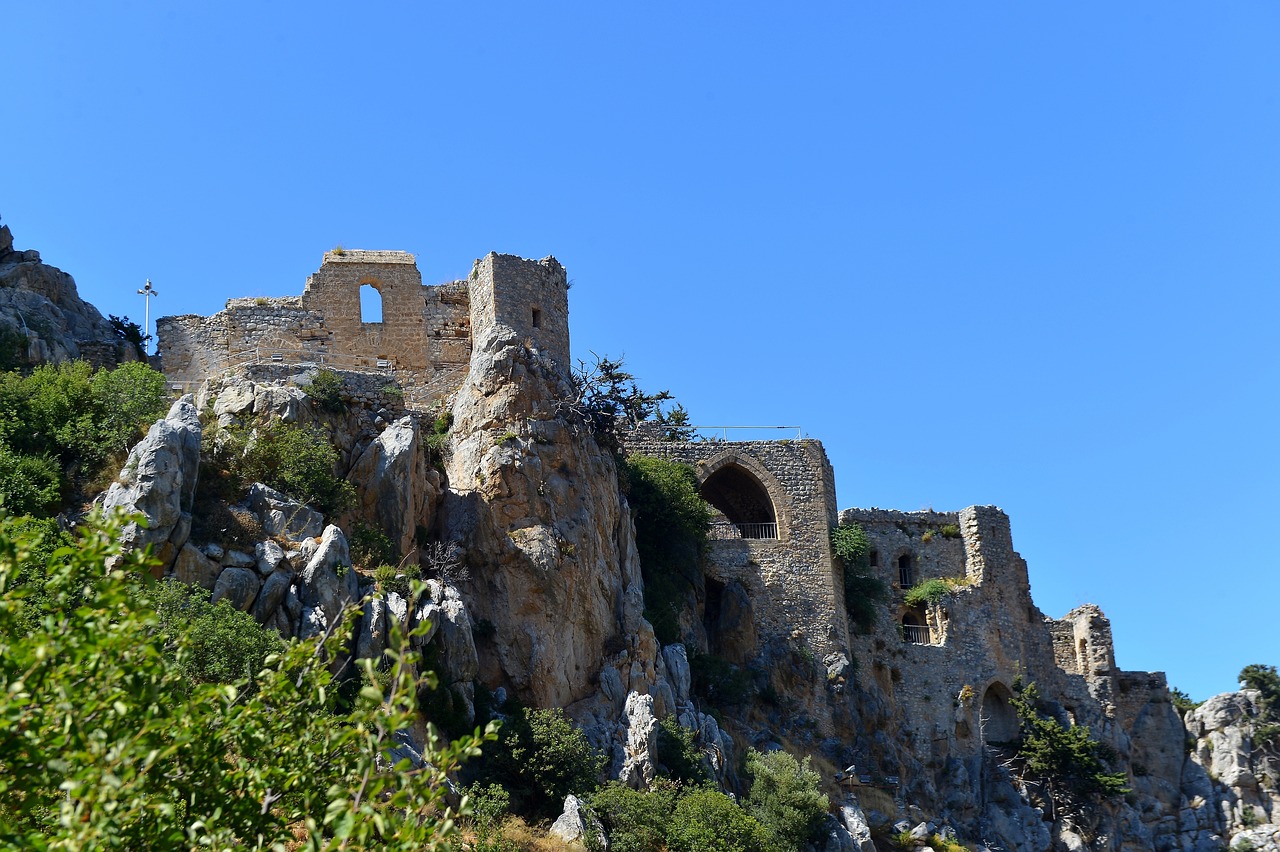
[[1066, 763], [605, 395], [288, 458], [785, 799], [105, 742], [636, 820], [707, 820], [672, 521], [129, 399], [540, 758]]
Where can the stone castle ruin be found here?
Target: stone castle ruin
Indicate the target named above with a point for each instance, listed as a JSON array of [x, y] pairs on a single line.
[[939, 674], [422, 341]]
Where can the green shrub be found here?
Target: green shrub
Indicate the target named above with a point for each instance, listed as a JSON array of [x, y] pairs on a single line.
[[679, 753], [540, 758], [326, 390], [672, 521], [119, 750], [29, 485], [220, 643], [85, 420], [950, 531], [707, 820], [635, 820], [785, 799], [929, 591], [1182, 701], [370, 546], [862, 590], [288, 458], [719, 681]]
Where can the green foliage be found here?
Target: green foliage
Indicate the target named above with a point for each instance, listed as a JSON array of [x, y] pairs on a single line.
[[929, 591], [220, 643], [1182, 701], [862, 590], [707, 820], [605, 395], [489, 806], [110, 744], [128, 331], [540, 758], [1067, 763], [672, 521], [326, 390], [1265, 680], [785, 799], [719, 681], [29, 485], [13, 348], [370, 546], [950, 531], [679, 753], [288, 458], [675, 424], [70, 420], [634, 820]]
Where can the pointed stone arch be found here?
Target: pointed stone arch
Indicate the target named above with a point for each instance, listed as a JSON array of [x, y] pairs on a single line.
[[998, 718], [744, 490]]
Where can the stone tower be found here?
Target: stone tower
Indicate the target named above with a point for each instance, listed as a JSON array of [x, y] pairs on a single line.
[[530, 297]]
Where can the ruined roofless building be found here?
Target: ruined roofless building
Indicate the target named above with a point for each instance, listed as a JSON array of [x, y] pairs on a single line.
[[423, 338]]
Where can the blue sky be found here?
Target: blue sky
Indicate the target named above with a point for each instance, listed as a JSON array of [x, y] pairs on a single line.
[[1019, 254]]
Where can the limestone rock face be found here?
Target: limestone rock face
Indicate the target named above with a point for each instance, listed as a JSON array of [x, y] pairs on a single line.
[[535, 503], [282, 515], [1243, 775], [398, 490], [576, 825], [159, 481], [318, 583], [40, 303], [195, 569]]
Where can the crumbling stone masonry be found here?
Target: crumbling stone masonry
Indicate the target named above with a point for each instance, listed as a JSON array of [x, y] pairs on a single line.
[[422, 342]]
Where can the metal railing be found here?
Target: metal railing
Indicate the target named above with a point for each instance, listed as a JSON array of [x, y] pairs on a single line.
[[724, 430], [269, 355], [726, 531], [916, 634]]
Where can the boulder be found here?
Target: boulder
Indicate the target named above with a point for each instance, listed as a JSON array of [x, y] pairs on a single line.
[[372, 639], [283, 516], [318, 582], [578, 827], [640, 750], [159, 481], [273, 593], [269, 555], [195, 568], [238, 585]]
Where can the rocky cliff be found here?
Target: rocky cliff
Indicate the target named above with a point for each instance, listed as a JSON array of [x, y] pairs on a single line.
[[43, 319]]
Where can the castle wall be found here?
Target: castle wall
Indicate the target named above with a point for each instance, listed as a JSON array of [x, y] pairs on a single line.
[[793, 581]]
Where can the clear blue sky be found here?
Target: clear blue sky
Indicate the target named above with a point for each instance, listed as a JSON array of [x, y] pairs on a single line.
[[1019, 253]]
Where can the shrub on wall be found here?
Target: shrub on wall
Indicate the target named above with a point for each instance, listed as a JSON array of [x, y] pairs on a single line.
[[672, 521], [862, 591]]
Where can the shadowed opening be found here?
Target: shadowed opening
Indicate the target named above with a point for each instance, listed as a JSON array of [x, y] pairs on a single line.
[[999, 719], [743, 501]]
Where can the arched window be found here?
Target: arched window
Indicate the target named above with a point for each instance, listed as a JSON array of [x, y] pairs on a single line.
[[906, 571], [999, 720], [743, 502], [370, 303]]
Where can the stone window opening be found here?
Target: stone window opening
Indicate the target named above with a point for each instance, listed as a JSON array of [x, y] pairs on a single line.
[[1082, 655], [915, 628], [743, 502], [874, 558], [537, 318], [370, 304], [998, 719], [906, 571]]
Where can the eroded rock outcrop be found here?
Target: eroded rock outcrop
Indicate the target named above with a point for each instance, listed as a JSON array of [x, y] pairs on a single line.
[[398, 491], [41, 308], [159, 481]]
